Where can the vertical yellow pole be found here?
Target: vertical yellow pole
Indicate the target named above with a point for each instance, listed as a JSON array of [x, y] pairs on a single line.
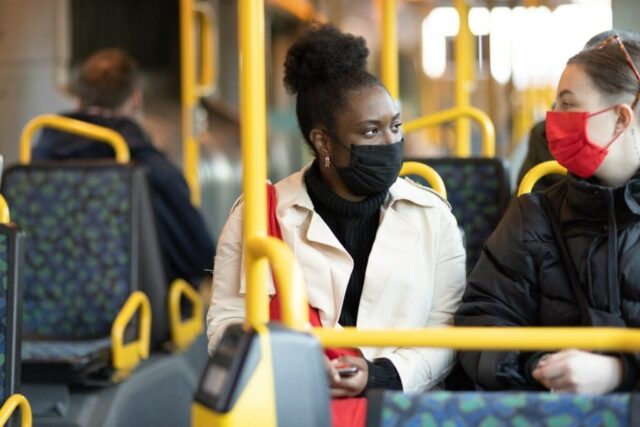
[[190, 149], [253, 130], [464, 78], [389, 54]]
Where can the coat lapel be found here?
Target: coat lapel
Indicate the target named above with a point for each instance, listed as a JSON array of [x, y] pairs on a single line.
[[395, 241]]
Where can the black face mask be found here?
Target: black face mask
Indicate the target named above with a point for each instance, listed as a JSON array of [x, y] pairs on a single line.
[[373, 168]]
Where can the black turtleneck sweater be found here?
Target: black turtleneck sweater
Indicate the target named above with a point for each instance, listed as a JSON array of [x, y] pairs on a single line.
[[355, 225]]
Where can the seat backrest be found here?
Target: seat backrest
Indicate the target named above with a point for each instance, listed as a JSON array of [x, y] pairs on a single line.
[[500, 408], [86, 223], [478, 190], [11, 264]]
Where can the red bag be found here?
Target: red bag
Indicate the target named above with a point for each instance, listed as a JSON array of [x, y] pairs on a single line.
[[345, 412]]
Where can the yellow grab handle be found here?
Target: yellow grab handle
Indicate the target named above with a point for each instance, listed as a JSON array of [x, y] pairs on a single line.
[[5, 216], [301, 9], [183, 333], [76, 127], [10, 406], [486, 125], [426, 172], [127, 356], [207, 77], [538, 171], [486, 338], [291, 289]]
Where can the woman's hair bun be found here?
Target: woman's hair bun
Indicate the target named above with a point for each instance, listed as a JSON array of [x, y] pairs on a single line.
[[321, 54]]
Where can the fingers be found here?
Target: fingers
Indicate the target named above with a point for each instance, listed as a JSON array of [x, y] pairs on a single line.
[[332, 373], [352, 385]]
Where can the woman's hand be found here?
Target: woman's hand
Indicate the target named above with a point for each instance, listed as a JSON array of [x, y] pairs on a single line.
[[575, 371], [347, 386]]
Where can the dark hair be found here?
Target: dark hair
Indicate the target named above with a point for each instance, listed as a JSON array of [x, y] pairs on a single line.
[[320, 68], [607, 66], [106, 79]]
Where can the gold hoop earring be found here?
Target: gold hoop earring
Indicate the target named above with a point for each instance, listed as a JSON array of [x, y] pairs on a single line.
[[327, 162]]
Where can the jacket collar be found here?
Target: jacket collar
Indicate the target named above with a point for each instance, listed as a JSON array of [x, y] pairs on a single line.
[[588, 195], [292, 192]]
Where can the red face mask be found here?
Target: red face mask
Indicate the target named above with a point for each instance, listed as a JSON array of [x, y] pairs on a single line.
[[570, 144]]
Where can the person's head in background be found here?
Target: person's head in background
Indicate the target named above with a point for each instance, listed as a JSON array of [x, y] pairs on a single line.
[[599, 89], [346, 116], [108, 83]]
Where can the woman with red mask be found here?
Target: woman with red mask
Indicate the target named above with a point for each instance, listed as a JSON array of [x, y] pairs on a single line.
[[375, 250], [570, 256]]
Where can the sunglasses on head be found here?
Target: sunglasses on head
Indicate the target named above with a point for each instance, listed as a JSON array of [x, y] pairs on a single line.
[[618, 40]]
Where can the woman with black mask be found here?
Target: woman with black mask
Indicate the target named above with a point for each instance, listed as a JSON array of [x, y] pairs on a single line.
[[376, 251]]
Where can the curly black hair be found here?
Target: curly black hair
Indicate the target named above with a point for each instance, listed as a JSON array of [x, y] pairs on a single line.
[[320, 68]]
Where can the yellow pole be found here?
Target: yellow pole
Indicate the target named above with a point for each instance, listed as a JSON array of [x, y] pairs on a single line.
[[253, 130], [190, 148], [389, 54], [485, 338], [464, 78]]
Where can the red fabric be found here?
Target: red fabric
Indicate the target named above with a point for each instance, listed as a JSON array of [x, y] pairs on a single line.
[[345, 412]]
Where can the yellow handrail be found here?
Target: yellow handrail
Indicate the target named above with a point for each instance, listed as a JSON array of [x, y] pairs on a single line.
[[485, 338], [207, 75], [428, 173], [253, 131], [464, 77], [76, 127], [190, 147], [125, 357], [183, 333], [389, 53], [5, 216], [486, 125], [291, 290], [538, 171], [301, 9], [9, 407]]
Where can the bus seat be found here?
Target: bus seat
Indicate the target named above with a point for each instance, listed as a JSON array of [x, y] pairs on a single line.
[[11, 268], [478, 190], [500, 408], [91, 243]]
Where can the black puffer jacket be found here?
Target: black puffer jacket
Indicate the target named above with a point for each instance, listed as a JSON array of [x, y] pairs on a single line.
[[520, 279]]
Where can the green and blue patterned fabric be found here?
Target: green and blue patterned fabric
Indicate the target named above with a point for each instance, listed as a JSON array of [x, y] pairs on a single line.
[[11, 256], [78, 269], [517, 409], [478, 191]]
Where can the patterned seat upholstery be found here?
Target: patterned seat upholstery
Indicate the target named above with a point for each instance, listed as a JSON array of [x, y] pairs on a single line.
[[500, 409], [478, 191], [90, 244], [11, 263]]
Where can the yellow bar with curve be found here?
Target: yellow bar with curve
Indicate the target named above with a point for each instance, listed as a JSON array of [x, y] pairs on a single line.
[[538, 171], [291, 290], [486, 338], [428, 173], [76, 127], [9, 407], [464, 54], [184, 332], [5, 216], [253, 131], [301, 9], [435, 119], [389, 54], [190, 148], [207, 75], [126, 356]]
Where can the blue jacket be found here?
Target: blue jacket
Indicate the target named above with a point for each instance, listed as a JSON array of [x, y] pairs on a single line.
[[186, 244]]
